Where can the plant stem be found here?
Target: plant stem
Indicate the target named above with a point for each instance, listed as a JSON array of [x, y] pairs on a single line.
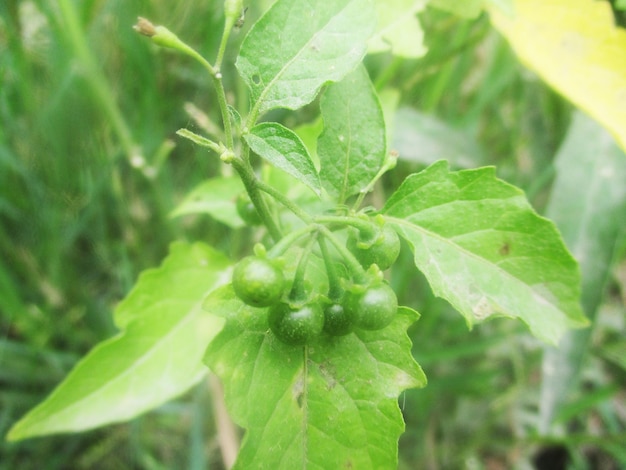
[[251, 183], [199, 140], [334, 282], [280, 197], [228, 27], [216, 77], [298, 291], [221, 99], [363, 225], [289, 240], [353, 264], [164, 37], [390, 162]]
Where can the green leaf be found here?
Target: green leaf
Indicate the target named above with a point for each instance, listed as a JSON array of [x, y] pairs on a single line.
[[299, 45], [157, 357], [588, 204], [329, 405], [575, 46], [484, 249], [352, 146], [284, 149], [398, 28], [215, 197]]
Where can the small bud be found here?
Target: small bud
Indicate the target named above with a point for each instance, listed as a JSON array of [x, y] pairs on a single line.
[[161, 36], [144, 27], [392, 159]]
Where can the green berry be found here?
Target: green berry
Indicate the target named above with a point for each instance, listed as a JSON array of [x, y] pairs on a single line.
[[296, 325], [383, 250], [372, 308], [258, 282], [246, 210], [337, 321]]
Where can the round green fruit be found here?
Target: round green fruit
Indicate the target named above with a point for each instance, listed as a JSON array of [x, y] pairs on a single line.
[[258, 282], [337, 321], [246, 210], [383, 251], [296, 325], [374, 307]]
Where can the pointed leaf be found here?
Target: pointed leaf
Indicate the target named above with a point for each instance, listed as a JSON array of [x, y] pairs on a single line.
[[215, 197], [485, 250], [329, 405], [352, 146], [575, 46], [157, 357], [398, 28], [299, 45], [284, 149]]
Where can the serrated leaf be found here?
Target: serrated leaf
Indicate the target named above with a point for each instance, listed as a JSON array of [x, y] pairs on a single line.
[[352, 146], [575, 46], [284, 149], [299, 45], [157, 357], [588, 204], [215, 197], [329, 405], [483, 249], [398, 28]]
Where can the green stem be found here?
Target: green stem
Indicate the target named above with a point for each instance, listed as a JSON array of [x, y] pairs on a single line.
[[199, 140], [390, 162], [221, 100], [364, 226], [353, 264], [283, 245], [228, 27], [334, 281], [281, 198], [216, 76], [164, 37], [251, 183], [298, 290]]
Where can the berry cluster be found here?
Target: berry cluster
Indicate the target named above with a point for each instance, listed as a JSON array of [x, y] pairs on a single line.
[[362, 299]]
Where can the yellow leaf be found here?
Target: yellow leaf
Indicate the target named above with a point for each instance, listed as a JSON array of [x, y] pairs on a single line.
[[575, 47]]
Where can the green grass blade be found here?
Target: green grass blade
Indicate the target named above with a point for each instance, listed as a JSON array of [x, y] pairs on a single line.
[[588, 203]]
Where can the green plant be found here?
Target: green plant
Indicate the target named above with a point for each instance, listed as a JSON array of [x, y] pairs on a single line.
[[376, 246], [296, 324], [258, 282], [373, 306], [246, 210], [337, 321], [474, 237]]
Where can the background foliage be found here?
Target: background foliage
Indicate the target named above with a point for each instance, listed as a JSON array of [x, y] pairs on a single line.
[[90, 170]]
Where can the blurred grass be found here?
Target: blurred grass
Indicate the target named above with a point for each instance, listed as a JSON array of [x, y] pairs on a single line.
[[90, 167]]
